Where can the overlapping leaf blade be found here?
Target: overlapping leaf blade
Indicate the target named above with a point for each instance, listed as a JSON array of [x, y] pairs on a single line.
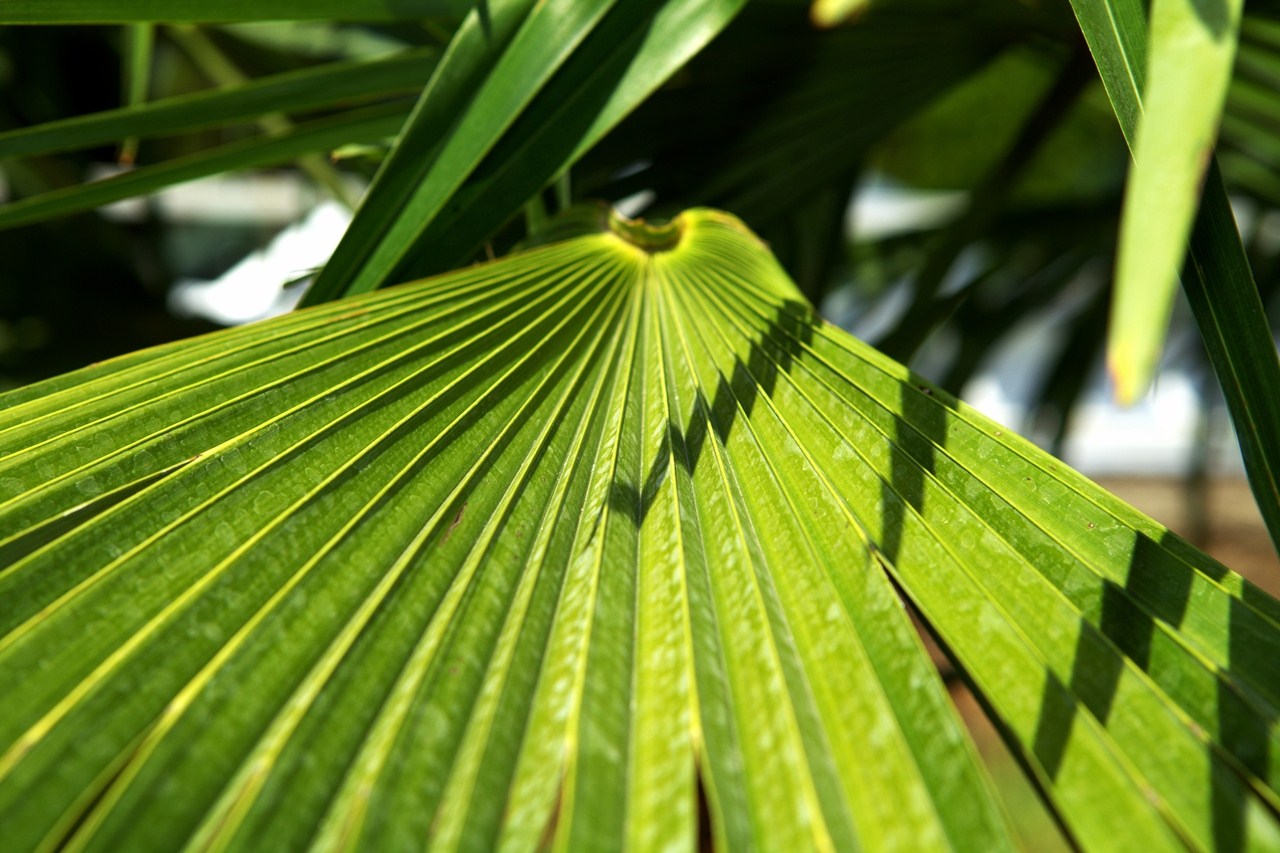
[[534, 552], [624, 59], [1192, 51], [218, 11], [472, 52], [547, 79], [367, 124], [1220, 286], [328, 86]]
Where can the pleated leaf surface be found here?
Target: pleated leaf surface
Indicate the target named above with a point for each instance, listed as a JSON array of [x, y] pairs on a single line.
[[597, 546]]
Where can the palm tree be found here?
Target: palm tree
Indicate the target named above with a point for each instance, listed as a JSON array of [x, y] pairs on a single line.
[[612, 541]]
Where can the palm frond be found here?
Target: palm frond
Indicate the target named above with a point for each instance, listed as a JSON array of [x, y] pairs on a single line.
[[550, 550]]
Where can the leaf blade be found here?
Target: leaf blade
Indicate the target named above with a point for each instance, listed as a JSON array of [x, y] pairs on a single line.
[[336, 84], [1191, 54], [221, 11], [1222, 293], [341, 500], [426, 425], [364, 125]]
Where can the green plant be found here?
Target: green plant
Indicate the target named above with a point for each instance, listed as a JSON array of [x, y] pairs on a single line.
[[611, 541]]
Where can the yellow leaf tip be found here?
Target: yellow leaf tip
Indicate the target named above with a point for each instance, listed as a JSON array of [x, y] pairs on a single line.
[[1128, 379], [828, 14]]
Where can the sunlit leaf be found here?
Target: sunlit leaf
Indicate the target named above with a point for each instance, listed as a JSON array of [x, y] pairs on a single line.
[[1193, 45], [1220, 289], [830, 13], [549, 550]]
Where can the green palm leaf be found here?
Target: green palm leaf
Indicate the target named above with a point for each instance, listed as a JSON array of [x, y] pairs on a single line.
[[523, 91], [1219, 283], [327, 86], [208, 11], [1192, 49], [548, 551], [366, 124]]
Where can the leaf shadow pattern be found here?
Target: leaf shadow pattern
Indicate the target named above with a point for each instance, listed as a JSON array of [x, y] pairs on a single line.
[[905, 487], [1122, 625], [1096, 668], [1156, 587], [773, 352], [29, 540]]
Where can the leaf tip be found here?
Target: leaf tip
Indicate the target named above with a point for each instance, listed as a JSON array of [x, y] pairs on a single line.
[[827, 14], [1130, 377]]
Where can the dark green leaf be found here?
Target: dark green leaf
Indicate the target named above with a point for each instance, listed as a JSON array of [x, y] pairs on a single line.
[[213, 11], [367, 125], [326, 86], [549, 93]]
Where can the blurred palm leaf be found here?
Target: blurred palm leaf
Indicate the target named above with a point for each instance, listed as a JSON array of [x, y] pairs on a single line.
[[524, 90], [762, 138], [1220, 286], [1191, 54], [368, 124], [209, 11], [329, 86]]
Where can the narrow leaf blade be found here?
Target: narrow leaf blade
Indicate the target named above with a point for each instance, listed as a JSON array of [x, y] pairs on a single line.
[[222, 11], [545, 93], [367, 125], [339, 84], [1191, 55], [1221, 290]]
